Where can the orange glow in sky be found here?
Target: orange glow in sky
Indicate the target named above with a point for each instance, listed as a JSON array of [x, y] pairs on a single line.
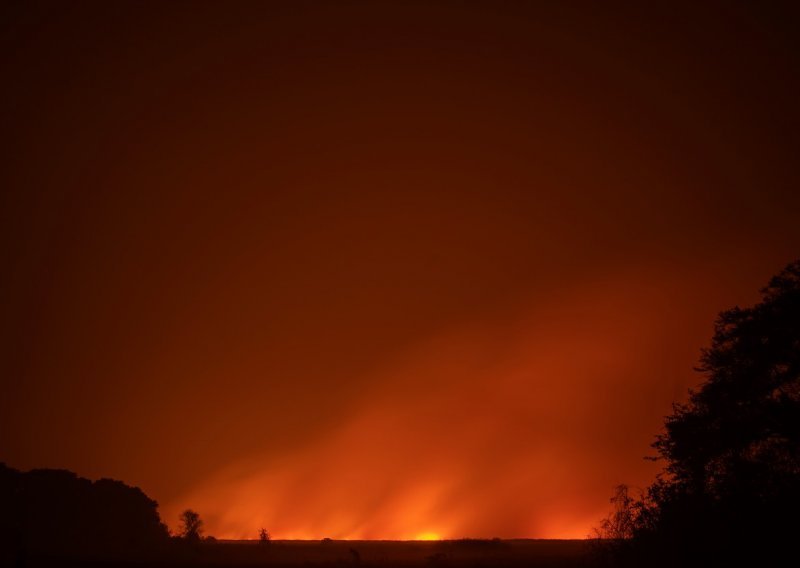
[[379, 270], [524, 452]]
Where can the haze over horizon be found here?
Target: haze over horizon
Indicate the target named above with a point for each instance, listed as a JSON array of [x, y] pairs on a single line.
[[380, 270]]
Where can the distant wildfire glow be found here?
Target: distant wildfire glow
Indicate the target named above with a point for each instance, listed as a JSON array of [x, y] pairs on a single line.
[[380, 270], [512, 430]]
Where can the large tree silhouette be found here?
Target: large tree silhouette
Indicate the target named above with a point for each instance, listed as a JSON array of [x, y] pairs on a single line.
[[55, 513], [740, 431], [731, 484]]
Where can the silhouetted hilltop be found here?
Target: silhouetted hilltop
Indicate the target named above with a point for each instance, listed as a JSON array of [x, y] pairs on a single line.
[[55, 513]]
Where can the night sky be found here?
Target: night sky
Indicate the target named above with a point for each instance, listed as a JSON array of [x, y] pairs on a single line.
[[380, 269]]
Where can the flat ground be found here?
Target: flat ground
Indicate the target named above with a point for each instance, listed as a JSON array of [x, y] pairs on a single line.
[[453, 553], [353, 554]]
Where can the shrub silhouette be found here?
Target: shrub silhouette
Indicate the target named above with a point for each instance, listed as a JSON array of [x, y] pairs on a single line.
[[264, 536]]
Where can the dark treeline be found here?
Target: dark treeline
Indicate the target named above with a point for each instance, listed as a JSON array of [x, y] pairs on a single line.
[[730, 491], [47, 513]]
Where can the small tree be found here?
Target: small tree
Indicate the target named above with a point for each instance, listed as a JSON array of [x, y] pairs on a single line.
[[264, 536], [621, 522], [191, 525]]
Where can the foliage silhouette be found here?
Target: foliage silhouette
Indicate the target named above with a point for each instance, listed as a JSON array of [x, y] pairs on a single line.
[[621, 522], [191, 527], [264, 536], [55, 513], [730, 489]]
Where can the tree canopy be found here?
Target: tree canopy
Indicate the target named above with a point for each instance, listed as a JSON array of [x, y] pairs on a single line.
[[191, 525], [740, 430], [731, 482], [56, 513]]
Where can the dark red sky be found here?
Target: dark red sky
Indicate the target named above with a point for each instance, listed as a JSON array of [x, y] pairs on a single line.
[[380, 269]]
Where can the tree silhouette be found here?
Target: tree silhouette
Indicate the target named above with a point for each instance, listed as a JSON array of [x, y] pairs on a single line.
[[55, 513], [730, 489], [621, 522], [740, 430], [264, 536], [191, 525]]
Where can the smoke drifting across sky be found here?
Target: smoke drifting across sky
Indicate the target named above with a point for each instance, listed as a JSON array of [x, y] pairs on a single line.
[[377, 270], [515, 428]]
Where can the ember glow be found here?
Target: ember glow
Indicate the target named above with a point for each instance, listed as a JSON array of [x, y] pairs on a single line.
[[413, 270]]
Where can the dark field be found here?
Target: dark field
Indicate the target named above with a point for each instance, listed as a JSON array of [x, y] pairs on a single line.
[[454, 553], [400, 553]]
